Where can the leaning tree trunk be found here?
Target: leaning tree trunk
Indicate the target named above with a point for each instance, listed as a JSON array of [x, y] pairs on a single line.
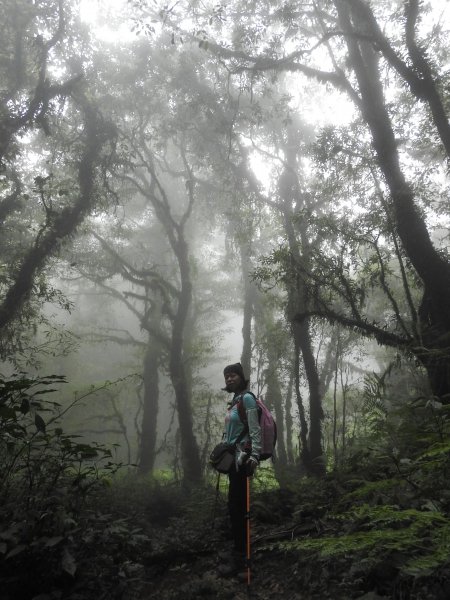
[[95, 135], [431, 266], [314, 457]]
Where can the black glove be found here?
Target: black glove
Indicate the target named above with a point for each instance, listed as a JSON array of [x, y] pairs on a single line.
[[251, 465]]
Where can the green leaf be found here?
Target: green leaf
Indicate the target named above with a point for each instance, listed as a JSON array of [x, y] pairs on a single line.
[[25, 406], [68, 562], [39, 422], [53, 541], [17, 550], [6, 412]]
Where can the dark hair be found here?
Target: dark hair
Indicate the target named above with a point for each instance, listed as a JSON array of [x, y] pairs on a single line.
[[237, 368]]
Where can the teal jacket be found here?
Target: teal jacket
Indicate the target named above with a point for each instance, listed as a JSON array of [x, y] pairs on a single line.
[[234, 425]]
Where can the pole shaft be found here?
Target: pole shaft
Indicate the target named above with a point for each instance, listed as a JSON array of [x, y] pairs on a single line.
[[216, 500], [247, 517]]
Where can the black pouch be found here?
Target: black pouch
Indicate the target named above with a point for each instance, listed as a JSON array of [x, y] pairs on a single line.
[[222, 458]]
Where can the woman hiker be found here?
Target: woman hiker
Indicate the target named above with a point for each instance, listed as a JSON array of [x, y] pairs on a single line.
[[247, 439]]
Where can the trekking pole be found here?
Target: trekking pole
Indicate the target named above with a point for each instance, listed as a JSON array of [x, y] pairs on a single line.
[[248, 548], [216, 500]]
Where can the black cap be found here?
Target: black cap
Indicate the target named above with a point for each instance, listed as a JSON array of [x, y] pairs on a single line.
[[236, 368]]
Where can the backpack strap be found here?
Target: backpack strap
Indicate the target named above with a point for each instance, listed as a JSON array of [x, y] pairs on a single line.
[[243, 416], [241, 409], [241, 412]]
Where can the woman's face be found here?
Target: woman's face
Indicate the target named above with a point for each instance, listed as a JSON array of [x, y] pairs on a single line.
[[233, 382]]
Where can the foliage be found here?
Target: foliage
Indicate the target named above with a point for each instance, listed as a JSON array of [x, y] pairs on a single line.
[[46, 479], [417, 542], [176, 155], [53, 147], [386, 509], [87, 533]]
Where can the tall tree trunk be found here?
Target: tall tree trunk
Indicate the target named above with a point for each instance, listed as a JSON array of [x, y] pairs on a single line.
[[150, 410], [274, 400], [249, 299], [302, 338], [60, 226], [431, 266], [344, 388], [289, 421], [316, 464], [335, 415], [298, 303], [190, 455], [303, 437]]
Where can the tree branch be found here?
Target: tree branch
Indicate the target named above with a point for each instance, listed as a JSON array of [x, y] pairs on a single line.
[[363, 327]]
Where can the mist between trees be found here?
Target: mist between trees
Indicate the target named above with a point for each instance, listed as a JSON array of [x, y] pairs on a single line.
[[135, 218], [261, 182]]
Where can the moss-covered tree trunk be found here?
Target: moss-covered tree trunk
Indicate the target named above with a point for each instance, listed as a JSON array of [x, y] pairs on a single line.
[[60, 225], [432, 267]]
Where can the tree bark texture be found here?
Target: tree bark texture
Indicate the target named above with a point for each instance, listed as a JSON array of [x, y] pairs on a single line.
[[60, 225], [274, 400], [434, 270], [303, 437], [147, 448], [298, 303], [190, 459], [177, 297], [249, 299], [289, 421]]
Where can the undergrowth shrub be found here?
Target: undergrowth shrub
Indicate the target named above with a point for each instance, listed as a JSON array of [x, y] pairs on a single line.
[[382, 520], [46, 480]]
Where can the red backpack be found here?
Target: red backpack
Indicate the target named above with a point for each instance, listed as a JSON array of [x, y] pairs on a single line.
[[267, 424]]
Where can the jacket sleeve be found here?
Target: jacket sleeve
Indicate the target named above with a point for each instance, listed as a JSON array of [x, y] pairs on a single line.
[[254, 428]]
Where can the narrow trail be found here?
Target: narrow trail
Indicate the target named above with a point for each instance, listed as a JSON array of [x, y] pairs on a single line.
[[192, 576]]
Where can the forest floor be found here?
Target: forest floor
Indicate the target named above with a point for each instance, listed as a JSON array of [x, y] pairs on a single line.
[[197, 577], [137, 540], [182, 560], [189, 576]]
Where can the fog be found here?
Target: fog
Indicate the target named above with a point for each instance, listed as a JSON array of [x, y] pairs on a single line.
[[190, 185], [172, 203]]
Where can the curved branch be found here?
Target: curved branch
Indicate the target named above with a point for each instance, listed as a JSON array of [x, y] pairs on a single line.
[[11, 202], [366, 329], [287, 63], [419, 77], [97, 133]]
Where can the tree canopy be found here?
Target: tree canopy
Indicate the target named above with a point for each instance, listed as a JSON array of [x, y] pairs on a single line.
[[188, 185]]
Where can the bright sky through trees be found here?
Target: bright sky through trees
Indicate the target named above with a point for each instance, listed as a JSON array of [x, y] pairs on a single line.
[[109, 19]]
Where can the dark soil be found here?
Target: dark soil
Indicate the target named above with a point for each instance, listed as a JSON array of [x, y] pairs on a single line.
[[274, 574]]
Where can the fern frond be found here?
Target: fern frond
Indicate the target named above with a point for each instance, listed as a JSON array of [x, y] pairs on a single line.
[[369, 488], [421, 537]]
